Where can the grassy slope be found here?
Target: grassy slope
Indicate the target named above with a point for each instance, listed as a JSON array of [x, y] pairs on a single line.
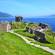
[[48, 37], [18, 25], [12, 45]]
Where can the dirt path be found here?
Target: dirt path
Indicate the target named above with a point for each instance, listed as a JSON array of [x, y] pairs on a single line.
[[28, 42]]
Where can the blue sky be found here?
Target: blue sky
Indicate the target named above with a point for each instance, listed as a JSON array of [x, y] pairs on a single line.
[[28, 7]]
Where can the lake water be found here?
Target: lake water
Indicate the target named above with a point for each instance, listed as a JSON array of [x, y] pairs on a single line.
[[49, 21], [8, 19]]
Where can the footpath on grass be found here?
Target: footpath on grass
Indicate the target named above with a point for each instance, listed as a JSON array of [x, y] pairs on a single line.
[[35, 45]]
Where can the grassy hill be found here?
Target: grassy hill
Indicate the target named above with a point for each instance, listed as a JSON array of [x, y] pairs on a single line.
[[48, 33], [13, 45], [49, 38]]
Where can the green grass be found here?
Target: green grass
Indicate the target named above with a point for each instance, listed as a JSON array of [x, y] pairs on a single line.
[[24, 33], [18, 25], [11, 44], [48, 37]]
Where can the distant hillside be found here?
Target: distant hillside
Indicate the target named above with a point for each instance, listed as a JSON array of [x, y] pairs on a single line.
[[51, 16], [5, 15]]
